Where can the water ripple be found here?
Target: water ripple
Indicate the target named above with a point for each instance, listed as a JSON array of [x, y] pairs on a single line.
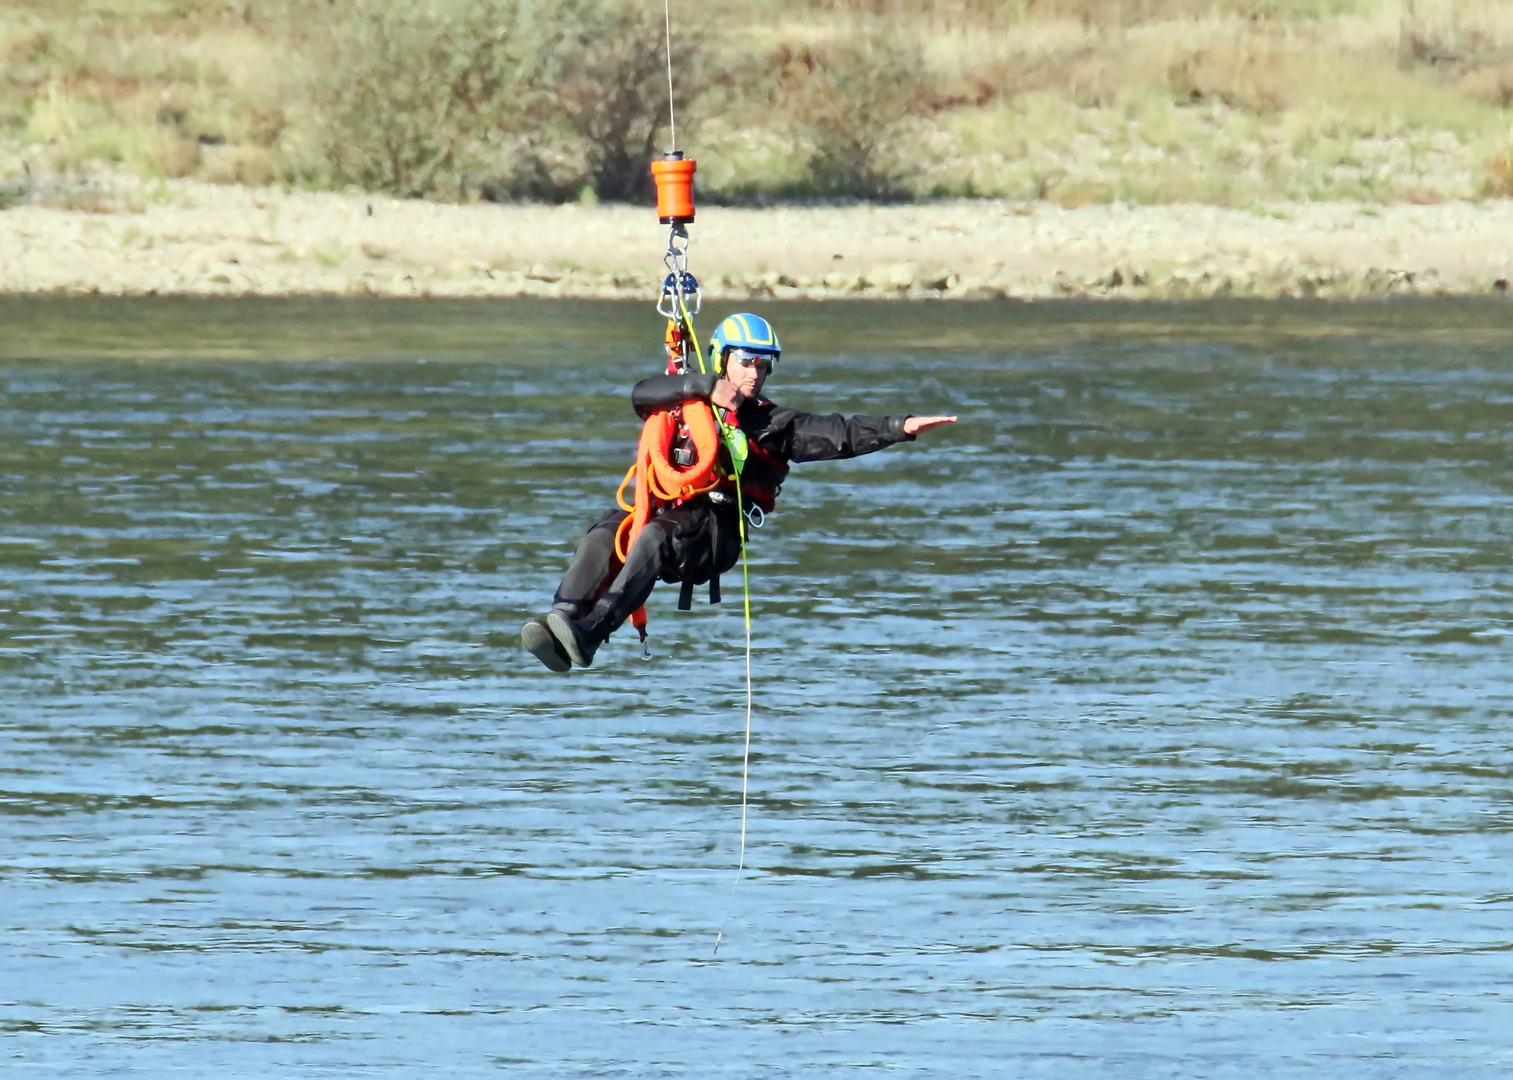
[[1152, 720]]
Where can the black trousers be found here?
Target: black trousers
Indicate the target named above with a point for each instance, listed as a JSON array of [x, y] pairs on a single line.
[[692, 543]]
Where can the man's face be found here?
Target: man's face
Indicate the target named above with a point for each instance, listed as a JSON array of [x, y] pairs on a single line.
[[747, 370]]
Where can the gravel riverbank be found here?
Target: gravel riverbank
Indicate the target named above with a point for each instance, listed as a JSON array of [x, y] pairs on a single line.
[[202, 239]]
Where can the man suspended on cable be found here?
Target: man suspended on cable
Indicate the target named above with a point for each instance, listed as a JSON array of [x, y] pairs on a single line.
[[692, 532]]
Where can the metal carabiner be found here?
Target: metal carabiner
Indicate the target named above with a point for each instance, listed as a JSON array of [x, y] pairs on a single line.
[[680, 289], [679, 284], [756, 516]]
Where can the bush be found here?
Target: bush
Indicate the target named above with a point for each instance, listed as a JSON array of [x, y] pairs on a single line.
[[1498, 182], [502, 96], [854, 101], [612, 91], [603, 111], [416, 102]]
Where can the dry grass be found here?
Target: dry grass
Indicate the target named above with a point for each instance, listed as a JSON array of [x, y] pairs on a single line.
[[165, 89], [1237, 102]]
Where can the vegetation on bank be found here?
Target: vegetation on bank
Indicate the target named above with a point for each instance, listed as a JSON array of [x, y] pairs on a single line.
[[1237, 102]]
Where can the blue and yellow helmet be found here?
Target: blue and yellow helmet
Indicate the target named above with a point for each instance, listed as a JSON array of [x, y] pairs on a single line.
[[743, 331]]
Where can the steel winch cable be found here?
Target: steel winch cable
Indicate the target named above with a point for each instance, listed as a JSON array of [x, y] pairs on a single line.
[[672, 120]]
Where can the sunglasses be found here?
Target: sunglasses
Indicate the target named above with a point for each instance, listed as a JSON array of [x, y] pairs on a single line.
[[747, 358]]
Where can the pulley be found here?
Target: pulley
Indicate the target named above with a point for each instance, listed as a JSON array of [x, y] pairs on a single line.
[[679, 285]]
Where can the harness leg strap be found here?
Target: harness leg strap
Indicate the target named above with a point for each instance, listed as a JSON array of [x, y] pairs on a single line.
[[685, 597], [714, 589]]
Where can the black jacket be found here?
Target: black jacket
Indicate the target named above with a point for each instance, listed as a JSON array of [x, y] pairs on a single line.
[[778, 435], [784, 433]]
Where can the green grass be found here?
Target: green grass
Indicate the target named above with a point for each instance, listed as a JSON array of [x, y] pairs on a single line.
[[1235, 102]]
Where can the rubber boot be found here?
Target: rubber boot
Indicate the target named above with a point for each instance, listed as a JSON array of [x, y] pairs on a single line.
[[538, 640], [575, 637]]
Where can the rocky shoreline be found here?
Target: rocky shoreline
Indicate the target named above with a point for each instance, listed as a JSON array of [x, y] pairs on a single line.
[[193, 239]]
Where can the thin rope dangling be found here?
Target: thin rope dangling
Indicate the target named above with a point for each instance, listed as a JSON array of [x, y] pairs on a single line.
[[740, 867], [674, 177]]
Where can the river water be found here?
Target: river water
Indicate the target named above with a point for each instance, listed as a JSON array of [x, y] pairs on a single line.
[[1152, 722]]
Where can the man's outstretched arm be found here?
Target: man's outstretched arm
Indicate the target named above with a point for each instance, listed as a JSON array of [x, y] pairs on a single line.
[[801, 436]]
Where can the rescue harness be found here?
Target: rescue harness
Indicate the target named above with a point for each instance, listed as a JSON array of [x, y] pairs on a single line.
[[678, 456]]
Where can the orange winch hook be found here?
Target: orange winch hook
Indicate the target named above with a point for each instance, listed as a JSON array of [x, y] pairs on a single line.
[[674, 177]]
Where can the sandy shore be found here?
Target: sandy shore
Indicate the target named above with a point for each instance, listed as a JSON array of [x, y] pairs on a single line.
[[202, 239]]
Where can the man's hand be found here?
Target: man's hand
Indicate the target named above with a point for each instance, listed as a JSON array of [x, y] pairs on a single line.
[[915, 424], [726, 395]]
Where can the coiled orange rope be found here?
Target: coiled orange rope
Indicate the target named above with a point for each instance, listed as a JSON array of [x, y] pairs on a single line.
[[657, 479]]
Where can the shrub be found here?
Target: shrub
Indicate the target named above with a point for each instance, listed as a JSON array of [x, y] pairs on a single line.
[[503, 96], [411, 100], [854, 101], [1433, 35], [1498, 183], [612, 91]]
